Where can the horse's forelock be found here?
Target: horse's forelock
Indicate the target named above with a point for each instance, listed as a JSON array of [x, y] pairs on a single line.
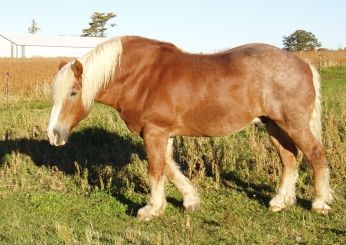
[[62, 84]]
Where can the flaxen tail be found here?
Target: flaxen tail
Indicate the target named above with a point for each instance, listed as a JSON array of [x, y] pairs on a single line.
[[315, 122]]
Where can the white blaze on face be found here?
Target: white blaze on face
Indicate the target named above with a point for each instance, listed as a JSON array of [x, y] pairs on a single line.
[[54, 116], [57, 132]]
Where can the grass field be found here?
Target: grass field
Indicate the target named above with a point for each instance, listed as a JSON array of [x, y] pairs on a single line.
[[90, 190]]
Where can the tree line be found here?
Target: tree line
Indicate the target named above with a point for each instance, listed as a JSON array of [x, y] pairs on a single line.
[[300, 40]]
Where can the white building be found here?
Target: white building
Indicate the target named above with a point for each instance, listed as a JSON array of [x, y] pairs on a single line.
[[35, 45]]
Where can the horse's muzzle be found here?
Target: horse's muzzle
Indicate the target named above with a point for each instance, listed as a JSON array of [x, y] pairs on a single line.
[[57, 137]]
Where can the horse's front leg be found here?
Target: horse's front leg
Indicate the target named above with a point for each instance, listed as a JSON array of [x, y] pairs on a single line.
[[190, 194], [155, 141]]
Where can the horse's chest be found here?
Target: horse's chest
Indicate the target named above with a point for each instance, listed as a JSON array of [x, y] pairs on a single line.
[[132, 121]]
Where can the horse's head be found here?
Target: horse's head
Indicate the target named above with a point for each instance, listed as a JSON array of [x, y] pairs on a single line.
[[75, 88], [68, 108]]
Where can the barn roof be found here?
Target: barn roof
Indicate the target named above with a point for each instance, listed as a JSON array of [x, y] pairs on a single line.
[[52, 41]]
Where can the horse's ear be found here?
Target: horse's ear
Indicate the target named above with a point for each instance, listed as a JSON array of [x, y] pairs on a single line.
[[62, 64], [77, 69]]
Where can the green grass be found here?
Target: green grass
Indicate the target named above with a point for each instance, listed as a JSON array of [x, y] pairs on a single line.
[[90, 190]]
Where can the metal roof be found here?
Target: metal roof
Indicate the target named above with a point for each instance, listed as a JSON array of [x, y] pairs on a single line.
[[52, 41]]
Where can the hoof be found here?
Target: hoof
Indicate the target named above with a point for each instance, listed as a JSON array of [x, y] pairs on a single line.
[[323, 211], [149, 211], [320, 207], [280, 202], [275, 209], [192, 203]]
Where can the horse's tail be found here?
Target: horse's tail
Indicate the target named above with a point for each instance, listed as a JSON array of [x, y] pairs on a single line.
[[315, 121]]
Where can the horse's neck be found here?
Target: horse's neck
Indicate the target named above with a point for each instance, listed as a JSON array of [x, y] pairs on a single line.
[[109, 95]]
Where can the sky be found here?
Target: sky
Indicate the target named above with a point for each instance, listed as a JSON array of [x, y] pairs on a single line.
[[193, 25]]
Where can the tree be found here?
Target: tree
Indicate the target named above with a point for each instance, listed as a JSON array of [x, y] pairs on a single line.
[[33, 28], [301, 40], [98, 25]]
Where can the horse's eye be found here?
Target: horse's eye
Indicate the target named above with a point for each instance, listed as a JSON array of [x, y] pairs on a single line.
[[73, 93]]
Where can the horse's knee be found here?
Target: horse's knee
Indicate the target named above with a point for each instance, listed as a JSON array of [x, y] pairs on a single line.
[[317, 152]]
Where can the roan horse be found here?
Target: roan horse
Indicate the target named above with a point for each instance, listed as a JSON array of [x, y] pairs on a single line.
[[161, 92]]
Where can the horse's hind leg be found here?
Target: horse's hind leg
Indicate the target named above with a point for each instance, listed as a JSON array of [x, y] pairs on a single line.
[[288, 152], [191, 198], [313, 151]]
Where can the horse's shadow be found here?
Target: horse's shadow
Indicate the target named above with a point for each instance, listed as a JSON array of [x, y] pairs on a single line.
[[253, 191], [90, 148], [262, 193], [94, 147]]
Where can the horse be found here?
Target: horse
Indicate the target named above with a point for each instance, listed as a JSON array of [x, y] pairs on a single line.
[[161, 91]]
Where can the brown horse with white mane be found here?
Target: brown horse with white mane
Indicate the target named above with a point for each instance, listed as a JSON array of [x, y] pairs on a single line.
[[161, 92]]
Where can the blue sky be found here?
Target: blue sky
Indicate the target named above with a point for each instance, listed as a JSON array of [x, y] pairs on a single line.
[[197, 26]]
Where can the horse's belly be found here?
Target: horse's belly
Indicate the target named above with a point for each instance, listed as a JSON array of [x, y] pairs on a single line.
[[214, 126]]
